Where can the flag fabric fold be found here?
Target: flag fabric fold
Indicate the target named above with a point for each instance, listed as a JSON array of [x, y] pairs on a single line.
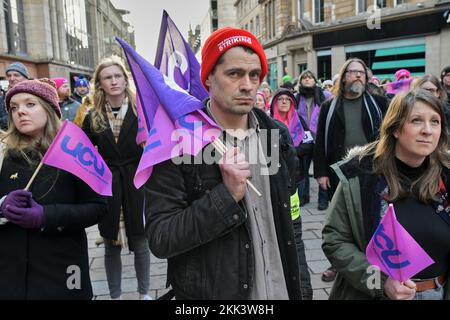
[[72, 151], [296, 129], [177, 124], [175, 59], [395, 251], [399, 86]]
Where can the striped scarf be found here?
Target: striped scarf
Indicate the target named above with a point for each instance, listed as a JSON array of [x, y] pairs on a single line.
[[115, 122]]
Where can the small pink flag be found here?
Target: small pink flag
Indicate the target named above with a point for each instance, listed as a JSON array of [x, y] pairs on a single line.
[[72, 151], [395, 251]]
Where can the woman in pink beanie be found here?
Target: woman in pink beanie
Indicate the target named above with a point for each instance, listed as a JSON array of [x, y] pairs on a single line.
[[43, 245]]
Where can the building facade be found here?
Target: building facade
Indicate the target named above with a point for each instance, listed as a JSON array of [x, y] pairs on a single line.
[[60, 38], [321, 34]]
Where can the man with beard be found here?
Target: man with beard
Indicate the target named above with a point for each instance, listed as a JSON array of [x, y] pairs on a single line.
[[352, 118], [445, 79], [310, 97], [222, 241]]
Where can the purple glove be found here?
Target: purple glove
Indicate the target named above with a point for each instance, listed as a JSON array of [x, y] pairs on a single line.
[[29, 218], [17, 198]]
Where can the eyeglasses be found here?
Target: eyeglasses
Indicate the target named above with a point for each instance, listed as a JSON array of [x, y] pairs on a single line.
[[356, 72], [282, 99]]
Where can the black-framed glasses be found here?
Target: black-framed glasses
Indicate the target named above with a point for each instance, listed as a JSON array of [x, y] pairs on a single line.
[[356, 72], [284, 99]]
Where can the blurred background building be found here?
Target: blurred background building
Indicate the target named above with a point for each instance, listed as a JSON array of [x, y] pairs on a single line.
[[321, 34], [63, 38]]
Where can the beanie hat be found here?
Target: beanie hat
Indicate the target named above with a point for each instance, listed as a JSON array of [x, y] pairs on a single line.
[[224, 39], [81, 82], [444, 72], [42, 88], [59, 82], [402, 73], [286, 78], [19, 67]]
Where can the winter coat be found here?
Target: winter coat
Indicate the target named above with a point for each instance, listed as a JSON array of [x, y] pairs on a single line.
[[349, 227], [123, 159], [195, 223], [69, 108], [51, 262]]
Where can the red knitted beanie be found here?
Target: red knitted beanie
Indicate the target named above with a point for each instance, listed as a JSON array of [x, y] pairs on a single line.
[[42, 88], [223, 40]]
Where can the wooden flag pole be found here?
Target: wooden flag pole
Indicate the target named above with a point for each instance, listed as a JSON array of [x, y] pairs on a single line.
[[34, 176]]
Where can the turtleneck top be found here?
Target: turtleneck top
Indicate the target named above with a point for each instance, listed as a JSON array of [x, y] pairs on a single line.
[[422, 222]]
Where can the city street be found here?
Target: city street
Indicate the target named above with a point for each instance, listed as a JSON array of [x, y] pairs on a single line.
[[313, 221]]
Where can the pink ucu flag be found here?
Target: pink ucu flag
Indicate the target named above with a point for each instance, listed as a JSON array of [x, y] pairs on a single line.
[[395, 251], [72, 151]]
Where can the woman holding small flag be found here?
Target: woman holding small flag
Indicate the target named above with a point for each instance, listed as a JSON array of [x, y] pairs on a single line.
[[403, 178], [112, 127], [43, 245]]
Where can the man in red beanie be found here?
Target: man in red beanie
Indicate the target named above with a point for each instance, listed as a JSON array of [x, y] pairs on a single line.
[[221, 239]]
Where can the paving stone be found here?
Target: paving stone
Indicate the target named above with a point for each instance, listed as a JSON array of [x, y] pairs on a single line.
[[314, 255], [96, 252], [320, 294], [157, 269], [158, 282], [308, 235], [313, 218], [317, 267], [312, 226], [313, 244]]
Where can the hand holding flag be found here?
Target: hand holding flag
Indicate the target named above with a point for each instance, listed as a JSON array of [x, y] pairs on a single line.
[[395, 251]]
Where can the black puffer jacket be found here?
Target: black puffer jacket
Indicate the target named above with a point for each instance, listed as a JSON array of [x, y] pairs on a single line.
[[193, 220]]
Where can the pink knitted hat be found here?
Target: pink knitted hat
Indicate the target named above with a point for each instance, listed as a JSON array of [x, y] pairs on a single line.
[[42, 88], [59, 82]]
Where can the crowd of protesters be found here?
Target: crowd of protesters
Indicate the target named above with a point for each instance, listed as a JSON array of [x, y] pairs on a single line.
[[371, 141]]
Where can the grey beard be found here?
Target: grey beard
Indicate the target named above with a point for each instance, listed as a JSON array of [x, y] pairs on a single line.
[[356, 88]]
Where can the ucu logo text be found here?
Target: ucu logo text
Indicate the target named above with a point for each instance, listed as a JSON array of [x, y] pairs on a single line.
[[84, 155], [387, 249]]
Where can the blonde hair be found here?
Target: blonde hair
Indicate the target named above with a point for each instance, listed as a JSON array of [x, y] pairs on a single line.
[[99, 122], [427, 185], [23, 144]]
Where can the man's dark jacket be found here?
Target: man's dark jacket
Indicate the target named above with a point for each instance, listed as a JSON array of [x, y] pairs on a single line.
[[194, 222], [336, 146]]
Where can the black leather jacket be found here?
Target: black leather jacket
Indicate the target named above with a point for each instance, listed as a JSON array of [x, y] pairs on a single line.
[[194, 222]]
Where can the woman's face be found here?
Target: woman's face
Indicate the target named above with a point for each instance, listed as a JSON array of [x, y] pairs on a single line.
[[268, 93], [430, 87], [284, 103], [113, 81], [419, 136], [28, 115], [260, 103]]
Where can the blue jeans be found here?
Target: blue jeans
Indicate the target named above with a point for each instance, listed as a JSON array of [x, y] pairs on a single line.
[[432, 294], [303, 187], [113, 265]]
